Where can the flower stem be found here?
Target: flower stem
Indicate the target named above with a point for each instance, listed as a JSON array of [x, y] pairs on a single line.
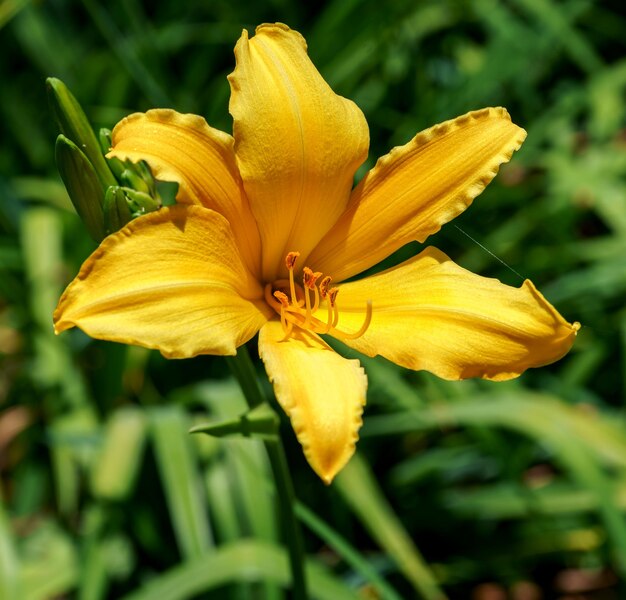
[[243, 369]]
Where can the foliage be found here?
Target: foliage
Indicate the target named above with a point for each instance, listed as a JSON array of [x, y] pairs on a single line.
[[457, 486]]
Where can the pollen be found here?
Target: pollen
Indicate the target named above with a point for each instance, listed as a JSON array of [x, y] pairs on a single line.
[[299, 305]]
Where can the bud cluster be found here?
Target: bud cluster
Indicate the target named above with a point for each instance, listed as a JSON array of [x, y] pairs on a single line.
[[106, 192]]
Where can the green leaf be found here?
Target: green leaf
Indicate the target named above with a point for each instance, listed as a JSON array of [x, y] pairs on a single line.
[[344, 549], [9, 581], [49, 567], [359, 489], [246, 560], [115, 471], [580, 440], [181, 481]]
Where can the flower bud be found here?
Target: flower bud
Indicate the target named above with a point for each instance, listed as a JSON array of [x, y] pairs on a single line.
[[82, 184], [75, 127], [116, 210]]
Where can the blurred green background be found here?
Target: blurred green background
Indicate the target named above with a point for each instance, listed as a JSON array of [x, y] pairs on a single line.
[[461, 490]]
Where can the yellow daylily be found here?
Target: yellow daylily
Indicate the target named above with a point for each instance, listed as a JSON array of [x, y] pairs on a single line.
[[264, 220]]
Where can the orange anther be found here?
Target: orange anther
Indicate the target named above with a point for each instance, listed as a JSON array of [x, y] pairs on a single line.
[[324, 284], [282, 298], [290, 259], [309, 277], [332, 295]]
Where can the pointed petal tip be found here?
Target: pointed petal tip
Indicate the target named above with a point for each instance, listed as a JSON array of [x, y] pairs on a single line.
[[417, 188], [327, 472], [462, 325]]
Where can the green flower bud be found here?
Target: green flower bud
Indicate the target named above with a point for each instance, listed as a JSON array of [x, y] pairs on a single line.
[[140, 203], [131, 179], [115, 164], [116, 210], [75, 127], [83, 185]]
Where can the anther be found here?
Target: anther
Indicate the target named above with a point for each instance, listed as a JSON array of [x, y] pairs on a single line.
[[332, 295], [282, 298], [309, 277], [290, 259], [324, 285]]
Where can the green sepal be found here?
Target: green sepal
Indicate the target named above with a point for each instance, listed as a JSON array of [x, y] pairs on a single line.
[[75, 126], [116, 210], [82, 184], [261, 421]]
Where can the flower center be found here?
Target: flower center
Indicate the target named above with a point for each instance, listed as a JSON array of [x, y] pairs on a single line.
[[296, 308]]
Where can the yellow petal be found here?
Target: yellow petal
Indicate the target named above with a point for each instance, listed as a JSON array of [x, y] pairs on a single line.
[[171, 280], [322, 393], [429, 313], [417, 188], [298, 144], [201, 159]]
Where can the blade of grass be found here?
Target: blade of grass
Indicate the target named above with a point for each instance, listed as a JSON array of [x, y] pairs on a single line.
[[126, 52], [348, 552], [246, 560], [359, 489], [181, 481], [9, 581], [115, 470], [578, 440]]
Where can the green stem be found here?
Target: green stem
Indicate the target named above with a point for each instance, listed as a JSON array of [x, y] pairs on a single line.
[[243, 369]]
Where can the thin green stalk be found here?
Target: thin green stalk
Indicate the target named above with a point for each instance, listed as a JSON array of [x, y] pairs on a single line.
[[243, 369]]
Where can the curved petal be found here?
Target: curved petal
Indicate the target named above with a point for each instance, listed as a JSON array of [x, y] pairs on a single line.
[[171, 280], [298, 144], [322, 393], [429, 313], [417, 188], [201, 159]]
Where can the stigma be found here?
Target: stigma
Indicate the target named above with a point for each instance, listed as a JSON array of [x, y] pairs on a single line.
[[299, 305]]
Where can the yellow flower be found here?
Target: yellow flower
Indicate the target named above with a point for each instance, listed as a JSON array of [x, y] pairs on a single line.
[[256, 210]]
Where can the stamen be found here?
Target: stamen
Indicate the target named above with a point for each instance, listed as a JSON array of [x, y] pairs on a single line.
[[291, 258], [300, 313], [286, 323], [316, 303], [329, 318], [282, 298], [290, 261], [362, 330], [324, 285], [332, 298], [308, 279]]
